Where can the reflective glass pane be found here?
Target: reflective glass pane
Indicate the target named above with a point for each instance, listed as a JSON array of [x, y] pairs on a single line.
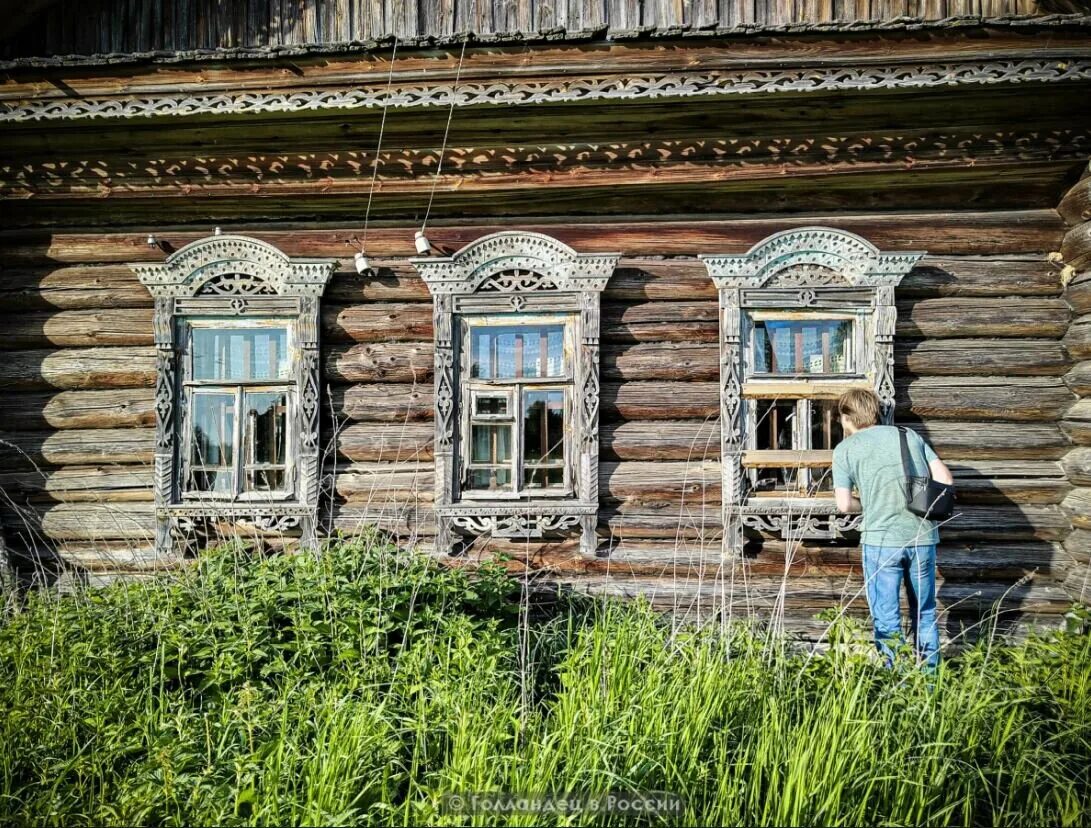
[[826, 430], [821, 481], [491, 444], [265, 415], [205, 480], [512, 351], [816, 346], [213, 430], [543, 426], [489, 406], [773, 424], [538, 477], [240, 353], [265, 480], [776, 479], [496, 479]]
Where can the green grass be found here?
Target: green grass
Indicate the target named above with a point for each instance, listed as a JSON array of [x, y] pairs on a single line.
[[359, 687]]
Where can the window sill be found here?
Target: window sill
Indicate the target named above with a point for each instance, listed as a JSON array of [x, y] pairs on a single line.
[[798, 518]]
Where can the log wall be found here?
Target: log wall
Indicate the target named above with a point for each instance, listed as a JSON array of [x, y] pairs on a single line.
[[984, 359], [1075, 209]]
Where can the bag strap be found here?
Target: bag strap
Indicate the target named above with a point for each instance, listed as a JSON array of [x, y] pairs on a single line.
[[907, 467]]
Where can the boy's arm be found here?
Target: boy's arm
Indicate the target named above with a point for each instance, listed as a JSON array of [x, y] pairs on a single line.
[[842, 484], [940, 472]]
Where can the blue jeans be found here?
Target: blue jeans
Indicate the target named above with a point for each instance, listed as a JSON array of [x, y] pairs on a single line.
[[884, 569]]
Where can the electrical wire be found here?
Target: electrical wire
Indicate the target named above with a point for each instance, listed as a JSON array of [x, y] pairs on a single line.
[[378, 149], [447, 130]]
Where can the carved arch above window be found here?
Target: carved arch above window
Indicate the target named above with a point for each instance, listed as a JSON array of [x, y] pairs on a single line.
[[517, 279], [226, 285], [813, 281]]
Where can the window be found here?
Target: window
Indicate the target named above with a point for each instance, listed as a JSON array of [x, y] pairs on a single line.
[[237, 388], [518, 395], [516, 388], [804, 315], [239, 394]]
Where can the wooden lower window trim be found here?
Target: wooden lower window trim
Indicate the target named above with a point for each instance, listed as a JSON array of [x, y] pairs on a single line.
[[793, 458]]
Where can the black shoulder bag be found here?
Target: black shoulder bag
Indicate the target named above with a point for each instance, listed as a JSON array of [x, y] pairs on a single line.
[[923, 495]]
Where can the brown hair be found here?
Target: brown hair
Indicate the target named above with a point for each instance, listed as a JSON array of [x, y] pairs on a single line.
[[861, 406]]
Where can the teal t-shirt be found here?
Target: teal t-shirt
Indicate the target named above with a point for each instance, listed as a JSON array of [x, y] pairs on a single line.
[[871, 461]]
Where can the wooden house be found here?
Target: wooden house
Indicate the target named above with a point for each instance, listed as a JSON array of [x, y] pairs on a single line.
[[576, 281]]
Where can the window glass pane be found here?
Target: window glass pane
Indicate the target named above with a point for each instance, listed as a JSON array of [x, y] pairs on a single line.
[[539, 477], [776, 479], [265, 417], [220, 482], [513, 351], [826, 430], [773, 424], [265, 480], [496, 479], [240, 353], [213, 430], [491, 444], [814, 346], [488, 406], [543, 426], [821, 481]]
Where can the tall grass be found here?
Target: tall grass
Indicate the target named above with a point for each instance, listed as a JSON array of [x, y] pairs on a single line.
[[360, 686]]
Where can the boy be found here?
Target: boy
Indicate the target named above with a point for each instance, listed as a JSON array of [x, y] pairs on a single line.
[[896, 542]]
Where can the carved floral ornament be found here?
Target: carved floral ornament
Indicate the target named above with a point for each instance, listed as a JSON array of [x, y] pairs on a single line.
[[235, 276], [801, 268], [236, 266], [529, 271]]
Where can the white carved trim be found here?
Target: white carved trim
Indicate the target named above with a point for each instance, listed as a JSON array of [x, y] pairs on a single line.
[[252, 278], [216, 259], [515, 92], [804, 257], [516, 265], [515, 262], [822, 266]]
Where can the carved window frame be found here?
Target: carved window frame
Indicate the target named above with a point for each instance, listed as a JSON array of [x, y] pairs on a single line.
[[236, 278], [806, 269], [530, 274]]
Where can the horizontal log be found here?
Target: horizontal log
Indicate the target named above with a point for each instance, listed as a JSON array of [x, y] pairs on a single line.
[[1078, 379], [113, 483], [75, 368], [1077, 422], [32, 527], [763, 594], [1023, 398], [1077, 504], [1077, 466], [119, 556], [942, 233], [1076, 246], [1078, 584], [77, 328], [1078, 338], [1006, 317], [130, 407], [73, 288], [380, 362], [77, 447], [692, 321], [982, 357], [1078, 292], [385, 442], [1078, 545], [1075, 207]]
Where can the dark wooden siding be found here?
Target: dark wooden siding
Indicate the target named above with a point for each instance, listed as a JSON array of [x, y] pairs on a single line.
[[111, 26], [980, 363]]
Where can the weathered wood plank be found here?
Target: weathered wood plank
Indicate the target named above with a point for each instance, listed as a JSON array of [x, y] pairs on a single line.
[[1075, 207], [1076, 247], [1037, 317], [72, 288], [80, 328], [24, 411], [101, 484], [1077, 504], [1078, 338], [1078, 379], [77, 368], [1077, 422], [77, 447], [1078, 293], [1077, 465], [943, 233]]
